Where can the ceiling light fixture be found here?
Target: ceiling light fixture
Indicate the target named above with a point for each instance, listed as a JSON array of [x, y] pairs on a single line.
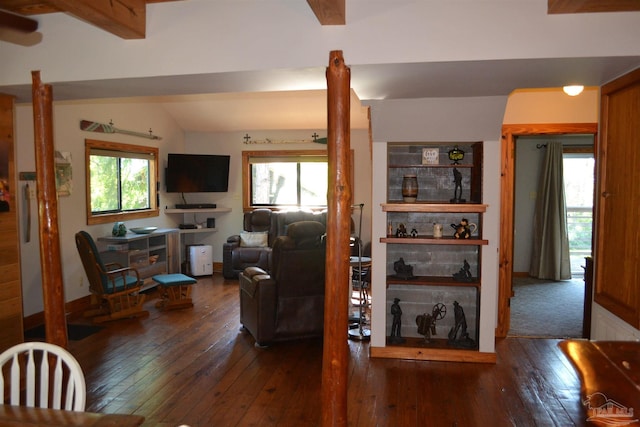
[[573, 90]]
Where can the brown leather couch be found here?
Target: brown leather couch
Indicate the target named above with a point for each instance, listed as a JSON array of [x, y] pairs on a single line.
[[236, 256], [288, 302]]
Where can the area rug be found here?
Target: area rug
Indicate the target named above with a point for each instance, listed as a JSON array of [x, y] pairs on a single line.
[[546, 309], [74, 332]]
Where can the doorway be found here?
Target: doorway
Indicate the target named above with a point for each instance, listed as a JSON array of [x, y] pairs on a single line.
[[534, 308], [507, 205]]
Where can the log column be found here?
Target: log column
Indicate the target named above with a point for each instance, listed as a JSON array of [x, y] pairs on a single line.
[[335, 358], [50, 260]]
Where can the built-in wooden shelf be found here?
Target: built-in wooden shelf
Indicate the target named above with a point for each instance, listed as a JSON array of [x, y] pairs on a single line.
[[431, 281], [185, 211], [435, 207], [430, 240], [197, 230], [435, 350], [450, 166]]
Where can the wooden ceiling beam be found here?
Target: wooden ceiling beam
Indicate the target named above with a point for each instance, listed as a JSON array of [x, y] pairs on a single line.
[[124, 18], [329, 12], [28, 7], [591, 6]]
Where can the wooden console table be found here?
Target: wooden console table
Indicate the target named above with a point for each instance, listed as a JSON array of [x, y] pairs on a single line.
[[26, 416], [610, 376]]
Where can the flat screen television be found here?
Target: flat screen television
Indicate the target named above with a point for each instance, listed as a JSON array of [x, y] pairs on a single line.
[[197, 173]]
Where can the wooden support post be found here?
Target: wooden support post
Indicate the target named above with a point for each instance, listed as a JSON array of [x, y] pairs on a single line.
[[50, 260], [335, 358]]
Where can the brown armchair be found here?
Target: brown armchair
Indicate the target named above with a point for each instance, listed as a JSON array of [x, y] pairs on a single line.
[[238, 255], [288, 303]]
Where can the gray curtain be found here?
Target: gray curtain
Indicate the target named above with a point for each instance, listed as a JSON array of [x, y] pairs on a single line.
[[550, 254]]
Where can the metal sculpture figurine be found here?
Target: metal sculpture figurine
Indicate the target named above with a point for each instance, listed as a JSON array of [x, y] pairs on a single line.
[[458, 335], [401, 231], [457, 191], [464, 275], [396, 323], [403, 271], [427, 322]]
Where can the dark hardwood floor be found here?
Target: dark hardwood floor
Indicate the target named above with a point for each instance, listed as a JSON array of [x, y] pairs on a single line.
[[196, 367]]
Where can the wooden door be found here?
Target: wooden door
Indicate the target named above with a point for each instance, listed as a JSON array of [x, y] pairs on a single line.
[[11, 329], [617, 252]]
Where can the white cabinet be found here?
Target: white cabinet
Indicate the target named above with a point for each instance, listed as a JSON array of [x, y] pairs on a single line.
[[150, 254]]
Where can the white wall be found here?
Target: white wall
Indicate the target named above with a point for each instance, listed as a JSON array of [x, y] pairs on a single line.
[[71, 210], [203, 36], [232, 143]]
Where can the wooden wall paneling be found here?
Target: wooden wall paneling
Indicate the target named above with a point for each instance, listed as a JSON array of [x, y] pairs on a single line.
[[11, 326], [617, 251]]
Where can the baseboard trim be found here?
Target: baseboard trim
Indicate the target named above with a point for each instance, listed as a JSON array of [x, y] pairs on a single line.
[[520, 274], [73, 310]]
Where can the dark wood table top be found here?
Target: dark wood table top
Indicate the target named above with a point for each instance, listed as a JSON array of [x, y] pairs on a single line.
[[11, 416], [610, 375]]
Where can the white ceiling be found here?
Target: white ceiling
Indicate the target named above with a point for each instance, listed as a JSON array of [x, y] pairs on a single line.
[[275, 99]]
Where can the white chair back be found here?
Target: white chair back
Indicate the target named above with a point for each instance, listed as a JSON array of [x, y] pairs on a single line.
[[41, 362]]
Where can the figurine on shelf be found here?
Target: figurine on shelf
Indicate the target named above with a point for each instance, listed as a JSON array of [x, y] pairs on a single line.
[[427, 322], [396, 322], [403, 271], [401, 231], [464, 275], [463, 229], [414, 233], [457, 191], [458, 335]]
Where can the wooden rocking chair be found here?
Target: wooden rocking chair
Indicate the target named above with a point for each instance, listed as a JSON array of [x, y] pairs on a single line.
[[115, 291]]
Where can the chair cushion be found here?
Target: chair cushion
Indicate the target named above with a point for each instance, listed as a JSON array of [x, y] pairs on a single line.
[[257, 239], [174, 279], [306, 233], [118, 282]]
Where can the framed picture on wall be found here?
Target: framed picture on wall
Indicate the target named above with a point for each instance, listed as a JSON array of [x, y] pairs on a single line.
[[430, 156]]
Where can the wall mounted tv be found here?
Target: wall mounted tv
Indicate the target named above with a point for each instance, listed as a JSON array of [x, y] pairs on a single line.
[[197, 173]]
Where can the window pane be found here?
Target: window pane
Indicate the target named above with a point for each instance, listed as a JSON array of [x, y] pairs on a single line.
[[135, 183], [104, 183], [578, 181], [313, 183], [274, 184]]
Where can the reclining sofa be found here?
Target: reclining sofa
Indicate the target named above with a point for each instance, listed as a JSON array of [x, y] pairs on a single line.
[[287, 302], [253, 246]]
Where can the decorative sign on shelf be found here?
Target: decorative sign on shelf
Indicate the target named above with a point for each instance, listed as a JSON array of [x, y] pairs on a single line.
[[90, 126], [430, 156]]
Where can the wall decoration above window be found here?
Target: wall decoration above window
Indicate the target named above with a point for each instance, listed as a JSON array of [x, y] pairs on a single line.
[[90, 126]]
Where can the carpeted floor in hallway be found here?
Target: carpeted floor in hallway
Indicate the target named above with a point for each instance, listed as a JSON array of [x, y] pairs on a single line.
[[542, 308]]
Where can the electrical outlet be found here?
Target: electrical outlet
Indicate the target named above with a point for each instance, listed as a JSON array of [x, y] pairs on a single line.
[[32, 192], [81, 281]]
